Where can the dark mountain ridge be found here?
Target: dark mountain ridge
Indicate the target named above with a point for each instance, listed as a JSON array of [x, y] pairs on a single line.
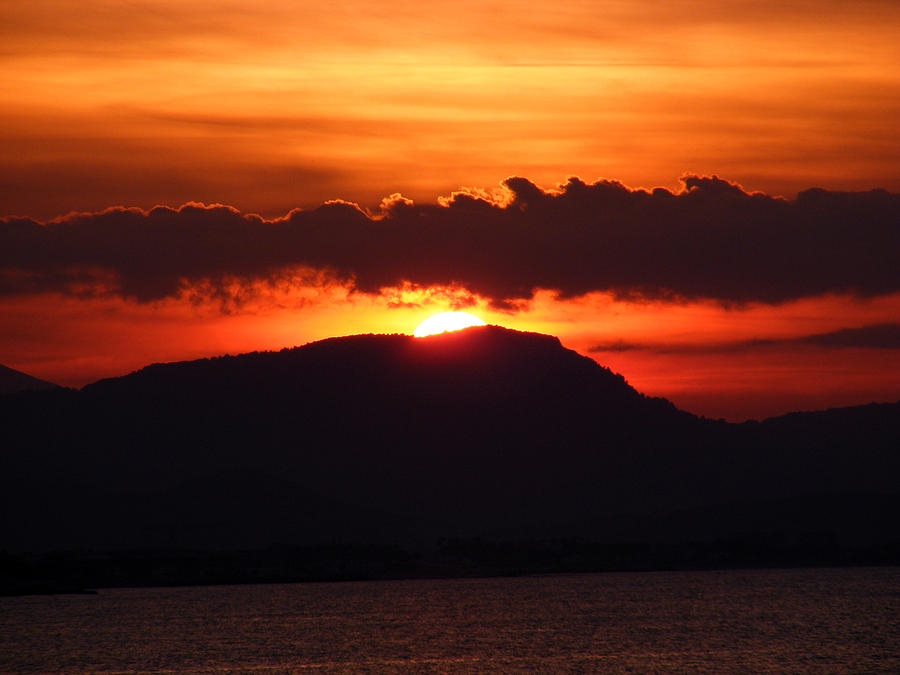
[[12, 381], [376, 440]]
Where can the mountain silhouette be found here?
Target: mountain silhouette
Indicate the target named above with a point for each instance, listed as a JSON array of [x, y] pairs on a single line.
[[12, 381], [484, 435]]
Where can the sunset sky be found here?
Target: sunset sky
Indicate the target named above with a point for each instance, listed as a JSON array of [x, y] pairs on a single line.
[[702, 196]]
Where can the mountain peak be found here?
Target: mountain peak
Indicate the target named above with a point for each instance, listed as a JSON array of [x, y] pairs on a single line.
[[476, 366]]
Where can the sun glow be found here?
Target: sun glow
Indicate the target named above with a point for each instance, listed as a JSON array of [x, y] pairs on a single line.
[[445, 321]]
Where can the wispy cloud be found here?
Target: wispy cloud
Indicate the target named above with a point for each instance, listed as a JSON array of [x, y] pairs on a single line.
[[878, 336]]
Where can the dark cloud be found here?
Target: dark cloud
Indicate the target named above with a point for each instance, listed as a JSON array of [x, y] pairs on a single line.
[[712, 240], [879, 336]]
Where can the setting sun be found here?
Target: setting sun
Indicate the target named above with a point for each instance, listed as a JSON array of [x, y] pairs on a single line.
[[445, 321]]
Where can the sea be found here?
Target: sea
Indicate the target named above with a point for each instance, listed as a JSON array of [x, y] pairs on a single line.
[[737, 621]]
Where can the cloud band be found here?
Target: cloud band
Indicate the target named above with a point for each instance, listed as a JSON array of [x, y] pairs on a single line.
[[713, 240]]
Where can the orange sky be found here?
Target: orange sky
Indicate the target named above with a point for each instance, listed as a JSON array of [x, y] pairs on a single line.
[[284, 104], [73, 341], [269, 106]]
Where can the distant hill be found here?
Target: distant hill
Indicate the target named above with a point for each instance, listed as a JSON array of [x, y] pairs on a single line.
[[485, 435], [12, 381]]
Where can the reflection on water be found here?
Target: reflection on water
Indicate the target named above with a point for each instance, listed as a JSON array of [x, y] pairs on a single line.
[[816, 621]]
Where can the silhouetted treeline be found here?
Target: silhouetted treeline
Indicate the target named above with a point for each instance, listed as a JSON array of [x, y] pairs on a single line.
[[402, 442]]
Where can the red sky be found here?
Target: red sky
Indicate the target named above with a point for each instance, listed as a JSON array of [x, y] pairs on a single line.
[[268, 107]]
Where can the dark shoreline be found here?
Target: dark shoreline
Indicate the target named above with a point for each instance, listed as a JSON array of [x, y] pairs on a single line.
[[84, 573]]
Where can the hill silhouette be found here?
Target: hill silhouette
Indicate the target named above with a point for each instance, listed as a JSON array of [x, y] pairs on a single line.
[[472, 450], [12, 381]]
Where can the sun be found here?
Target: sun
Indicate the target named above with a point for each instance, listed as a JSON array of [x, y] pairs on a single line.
[[444, 321]]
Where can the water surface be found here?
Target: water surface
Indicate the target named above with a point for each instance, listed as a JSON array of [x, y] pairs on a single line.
[[762, 621]]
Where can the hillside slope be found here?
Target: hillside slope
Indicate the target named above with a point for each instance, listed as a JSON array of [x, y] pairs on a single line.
[[371, 439]]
